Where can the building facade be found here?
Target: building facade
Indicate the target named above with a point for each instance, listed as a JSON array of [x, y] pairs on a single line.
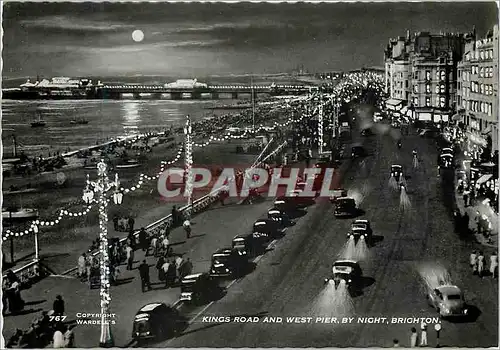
[[421, 74], [477, 99]]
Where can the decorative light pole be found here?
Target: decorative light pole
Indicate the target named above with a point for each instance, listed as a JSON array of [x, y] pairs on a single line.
[[100, 188], [320, 129], [437, 328], [188, 161]]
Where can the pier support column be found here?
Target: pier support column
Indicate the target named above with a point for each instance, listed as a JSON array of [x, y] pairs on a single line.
[[176, 95], [215, 95], [234, 95], [195, 95], [137, 96]]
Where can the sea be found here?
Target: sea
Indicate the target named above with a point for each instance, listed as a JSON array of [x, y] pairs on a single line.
[[107, 119]]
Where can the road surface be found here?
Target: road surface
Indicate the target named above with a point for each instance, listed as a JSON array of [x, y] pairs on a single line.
[[412, 244]]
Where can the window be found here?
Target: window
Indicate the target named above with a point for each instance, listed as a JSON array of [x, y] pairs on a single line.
[[437, 101], [437, 89], [468, 91], [442, 101], [427, 75], [482, 89], [443, 75], [443, 88], [406, 84], [482, 54], [464, 103], [481, 107], [491, 72], [468, 105], [415, 75], [481, 72], [437, 74], [428, 88], [464, 91], [415, 89], [490, 109], [427, 101], [415, 101]]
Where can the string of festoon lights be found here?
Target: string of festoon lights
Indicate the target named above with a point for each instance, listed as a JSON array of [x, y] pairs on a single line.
[[346, 86]]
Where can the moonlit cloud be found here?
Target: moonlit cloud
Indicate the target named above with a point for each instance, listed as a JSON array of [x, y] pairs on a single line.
[[185, 39]]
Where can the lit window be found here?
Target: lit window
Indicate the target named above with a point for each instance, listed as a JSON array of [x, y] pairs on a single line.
[[427, 101], [490, 109], [481, 72], [481, 88], [415, 101], [437, 89], [443, 75], [437, 100], [427, 88], [482, 54], [443, 88], [437, 75], [464, 103], [428, 75], [468, 105], [415, 88], [442, 102]]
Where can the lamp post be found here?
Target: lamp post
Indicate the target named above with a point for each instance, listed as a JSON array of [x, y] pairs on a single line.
[[188, 161], [437, 328], [100, 188], [320, 128]]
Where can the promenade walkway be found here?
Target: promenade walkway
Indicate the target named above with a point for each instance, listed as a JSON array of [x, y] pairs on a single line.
[[212, 229]]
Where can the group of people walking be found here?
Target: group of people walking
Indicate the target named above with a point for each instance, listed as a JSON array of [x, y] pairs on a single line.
[[45, 329], [477, 262]]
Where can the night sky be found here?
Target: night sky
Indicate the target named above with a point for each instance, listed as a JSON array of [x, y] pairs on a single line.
[[201, 39]]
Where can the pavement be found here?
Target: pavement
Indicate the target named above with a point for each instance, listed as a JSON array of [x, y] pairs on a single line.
[[61, 245], [211, 229], [412, 244]]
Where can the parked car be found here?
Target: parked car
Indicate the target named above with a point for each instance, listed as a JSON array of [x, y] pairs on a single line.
[[157, 321], [345, 206], [199, 288], [228, 262]]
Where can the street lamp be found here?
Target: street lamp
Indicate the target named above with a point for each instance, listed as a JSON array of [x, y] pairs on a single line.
[[100, 188], [188, 161]]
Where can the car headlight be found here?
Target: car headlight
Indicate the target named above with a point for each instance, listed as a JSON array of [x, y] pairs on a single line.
[[349, 281], [213, 270], [227, 270]]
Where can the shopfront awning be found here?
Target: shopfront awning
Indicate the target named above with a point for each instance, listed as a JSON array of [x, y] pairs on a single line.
[[457, 117], [393, 103], [404, 110], [484, 178]]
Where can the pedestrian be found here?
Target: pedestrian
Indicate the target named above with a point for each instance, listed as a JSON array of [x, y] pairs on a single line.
[[165, 243], [131, 239], [81, 266], [159, 265], [465, 223], [58, 338], [171, 273], [144, 274], [187, 267], [413, 338], [480, 264], [473, 261], [466, 197], [494, 264], [69, 337], [115, 222], [88, 264], [131, 223], [130, 257], [478, 220], [153, 244], [143, 239], [187, 228], [165, 267], [58, 306], [423, 336], [174, 216]]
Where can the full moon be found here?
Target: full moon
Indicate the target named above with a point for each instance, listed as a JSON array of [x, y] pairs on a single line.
[[137, 35]]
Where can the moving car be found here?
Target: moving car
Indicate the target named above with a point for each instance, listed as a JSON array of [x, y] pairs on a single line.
[[285, 203], [269, 227], [301, 199], [199, 288], [446, 161], [357, 150], [157, 321], [323, 162], [448, 300], [345, 206], [396, 171], [348, 271], [338, 193], [361, 229], [228, 262]]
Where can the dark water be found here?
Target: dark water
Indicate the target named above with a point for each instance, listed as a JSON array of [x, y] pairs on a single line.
[[107, 119]]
